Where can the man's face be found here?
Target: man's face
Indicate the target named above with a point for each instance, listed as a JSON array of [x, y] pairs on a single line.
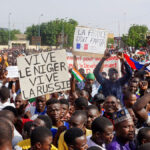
[[110, 104], [136, 80], [64, 110], [81, 143], [40, 103], [126, 130], [90, 81], [77, 122], [18, 102], [130, 102], [92, 114], [113, 76], [46, 145], [54, 111], [107, 136], [133, 87]]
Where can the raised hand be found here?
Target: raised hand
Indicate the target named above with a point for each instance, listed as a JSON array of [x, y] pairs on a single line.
[[120, 56], [106, 54]]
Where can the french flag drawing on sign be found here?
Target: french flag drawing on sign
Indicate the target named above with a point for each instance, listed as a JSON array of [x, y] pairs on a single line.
[[78, 46], [85, 46]]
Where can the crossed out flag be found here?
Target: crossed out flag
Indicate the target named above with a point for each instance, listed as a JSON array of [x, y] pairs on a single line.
[[79, 46]]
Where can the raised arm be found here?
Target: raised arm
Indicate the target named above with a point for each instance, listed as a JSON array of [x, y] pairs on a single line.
[[99, 66], [139, 107], [128, 70]]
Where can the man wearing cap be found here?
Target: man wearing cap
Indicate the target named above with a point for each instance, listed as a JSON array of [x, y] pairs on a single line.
[[113, 85], [125, 131], [91, 85]]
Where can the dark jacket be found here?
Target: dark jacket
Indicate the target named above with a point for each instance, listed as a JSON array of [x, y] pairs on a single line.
[[109, 87]]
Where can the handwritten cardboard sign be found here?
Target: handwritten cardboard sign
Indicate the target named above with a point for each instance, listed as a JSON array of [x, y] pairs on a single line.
[[12, 72], [43, 73], [90, 40]]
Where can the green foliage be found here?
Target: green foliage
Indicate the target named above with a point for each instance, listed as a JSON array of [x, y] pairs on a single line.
[[4, 36], [136, 36], [52, 32]]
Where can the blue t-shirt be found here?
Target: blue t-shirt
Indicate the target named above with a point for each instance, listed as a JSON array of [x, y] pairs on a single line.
[[54, 129]]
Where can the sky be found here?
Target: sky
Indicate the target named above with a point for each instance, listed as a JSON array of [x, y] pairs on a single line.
[[116, 16]]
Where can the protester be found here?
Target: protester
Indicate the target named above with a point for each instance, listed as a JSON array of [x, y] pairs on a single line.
[[110, 106], [11, 117], [77, 120], [92, 113], [98, 100], [125, 132], [39, 109], [113, 83], [143, 136], [102, 133], [4, 98], [75, 139], [41, 139], [64, 109], [86, 117]]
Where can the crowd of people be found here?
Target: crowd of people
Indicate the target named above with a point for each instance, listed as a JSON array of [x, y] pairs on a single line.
[[102, 112]]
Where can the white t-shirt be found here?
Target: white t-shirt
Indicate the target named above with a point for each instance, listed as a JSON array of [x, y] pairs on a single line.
[[3, 105], [92, 143]]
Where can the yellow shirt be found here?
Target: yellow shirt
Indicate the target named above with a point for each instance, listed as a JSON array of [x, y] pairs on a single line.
[[26, 144], [62, 144]]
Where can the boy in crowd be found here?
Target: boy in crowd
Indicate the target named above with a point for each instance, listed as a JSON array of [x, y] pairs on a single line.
[[143, 136], [129, 99], [41, 139], [64, 109], [75, 139], [102, 133], [54, 112], [77, 120], [92, 113], [41, 121]]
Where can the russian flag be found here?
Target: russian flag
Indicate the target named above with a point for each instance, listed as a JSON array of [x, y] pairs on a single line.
[[135, 64]]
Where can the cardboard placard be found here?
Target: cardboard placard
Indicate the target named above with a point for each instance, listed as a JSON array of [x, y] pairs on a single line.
[[89, 63], [12, 72], [43, 73], [90, 40]]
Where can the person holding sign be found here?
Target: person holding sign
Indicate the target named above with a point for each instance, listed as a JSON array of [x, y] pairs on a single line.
[[113, 85]]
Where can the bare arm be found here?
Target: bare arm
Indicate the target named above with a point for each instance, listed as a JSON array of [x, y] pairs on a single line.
[[139, 107], [142, 102]]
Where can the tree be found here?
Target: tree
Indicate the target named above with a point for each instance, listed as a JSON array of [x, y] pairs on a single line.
[[54, 33], [136, 36], [4, 35]]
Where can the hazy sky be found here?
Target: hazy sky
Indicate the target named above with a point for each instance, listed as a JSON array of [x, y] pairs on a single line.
[[114, 15]]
